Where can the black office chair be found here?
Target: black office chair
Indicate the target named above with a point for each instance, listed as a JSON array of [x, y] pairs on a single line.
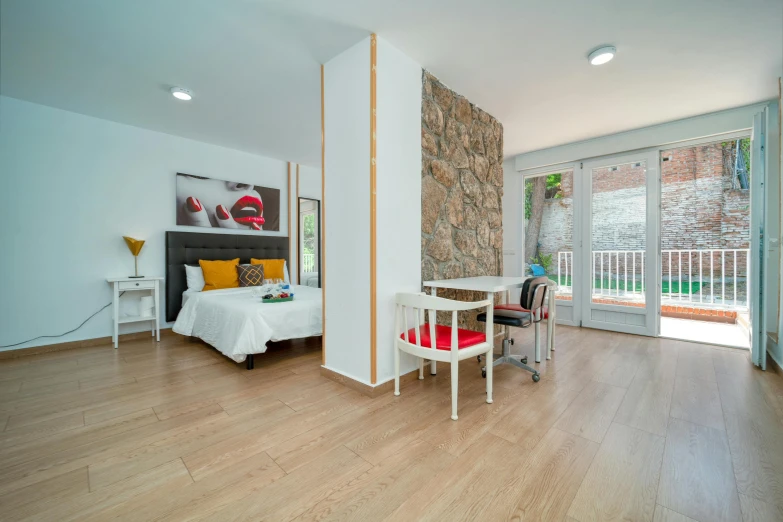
[[528, 313]]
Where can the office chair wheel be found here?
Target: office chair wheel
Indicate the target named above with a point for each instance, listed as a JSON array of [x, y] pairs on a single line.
[[484, 372], [524, 359], [536, 377], [511, 341]]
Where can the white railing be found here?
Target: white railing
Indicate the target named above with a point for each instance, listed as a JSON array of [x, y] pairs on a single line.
[[565, 264], [308, 262], [690, 263], [701, 276], [603, 265]]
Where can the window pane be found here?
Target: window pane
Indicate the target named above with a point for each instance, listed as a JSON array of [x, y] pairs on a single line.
[[618, 235]]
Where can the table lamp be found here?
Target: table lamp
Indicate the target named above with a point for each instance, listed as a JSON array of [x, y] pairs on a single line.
[[134, 245]]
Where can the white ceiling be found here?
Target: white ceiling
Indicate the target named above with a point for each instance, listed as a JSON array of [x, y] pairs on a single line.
[[253, 65], [255, 73]]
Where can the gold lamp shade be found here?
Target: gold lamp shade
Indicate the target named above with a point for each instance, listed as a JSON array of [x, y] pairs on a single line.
[[134, 245]]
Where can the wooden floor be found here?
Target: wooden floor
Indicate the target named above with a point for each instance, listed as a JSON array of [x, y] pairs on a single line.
[[618, 428]]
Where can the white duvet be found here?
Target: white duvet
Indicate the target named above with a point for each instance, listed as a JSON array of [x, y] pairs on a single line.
[[237, 323]]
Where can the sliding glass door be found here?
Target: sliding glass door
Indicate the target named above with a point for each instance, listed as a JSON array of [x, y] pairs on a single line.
[[549, 234], [619, 240]]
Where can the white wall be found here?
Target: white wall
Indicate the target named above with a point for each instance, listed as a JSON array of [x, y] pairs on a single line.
[[702, 126], [347, 211], [309, 187], [310, 182], [398, 184], [513, 222], [513, 219], [70, 187]]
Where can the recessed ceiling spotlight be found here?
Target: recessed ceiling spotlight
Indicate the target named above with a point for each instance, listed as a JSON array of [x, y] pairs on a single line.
[[602, 55], [182, 94]]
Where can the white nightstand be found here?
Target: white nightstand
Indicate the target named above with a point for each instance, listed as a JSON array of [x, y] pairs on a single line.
[[130, 284]]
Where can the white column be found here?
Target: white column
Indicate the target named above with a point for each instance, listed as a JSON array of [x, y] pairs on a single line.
[[347, 205]]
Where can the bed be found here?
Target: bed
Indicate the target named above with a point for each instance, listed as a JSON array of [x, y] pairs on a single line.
[[235, 321], [311, 279]]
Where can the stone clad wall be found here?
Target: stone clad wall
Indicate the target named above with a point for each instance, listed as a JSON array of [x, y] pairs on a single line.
[[462, 185]]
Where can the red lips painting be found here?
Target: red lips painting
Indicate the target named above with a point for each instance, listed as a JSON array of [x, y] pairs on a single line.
[[207, 202]]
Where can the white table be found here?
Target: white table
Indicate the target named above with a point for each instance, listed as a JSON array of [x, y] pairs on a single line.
[[491, 285], [135, 284]]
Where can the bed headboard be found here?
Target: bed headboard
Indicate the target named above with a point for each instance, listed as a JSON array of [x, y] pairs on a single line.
[[186, 248]]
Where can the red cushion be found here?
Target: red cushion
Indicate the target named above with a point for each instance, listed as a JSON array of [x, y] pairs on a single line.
[[465, 338], [518, 308]]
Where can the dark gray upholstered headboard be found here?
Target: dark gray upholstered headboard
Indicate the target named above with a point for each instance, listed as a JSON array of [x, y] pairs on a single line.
[[186, 248]]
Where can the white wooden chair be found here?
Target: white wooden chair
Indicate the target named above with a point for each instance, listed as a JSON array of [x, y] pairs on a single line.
[[451, 344]]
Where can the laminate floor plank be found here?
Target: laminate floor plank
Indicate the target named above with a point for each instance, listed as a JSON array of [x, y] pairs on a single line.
[[171, 474], [663, 514], [375, 494], [646, 405], [27, 502], [755, 510], [290, 496], [465, 489], [17, 435], [619, 367], [697, 478], [622, 480], [544, 487], [60, 441], [180, 442], [695, 364], [591, 413], [47, 466], [756, 445], [173, 501], [175, 431], [697, 401], [271, 431]]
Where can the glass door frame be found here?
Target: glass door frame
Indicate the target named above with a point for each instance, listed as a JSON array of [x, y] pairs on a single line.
[[576, 292], [652, 292], [300, 238]]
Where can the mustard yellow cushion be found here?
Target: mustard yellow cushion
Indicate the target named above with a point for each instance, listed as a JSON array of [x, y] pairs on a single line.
[[273, 268], [219, 274]]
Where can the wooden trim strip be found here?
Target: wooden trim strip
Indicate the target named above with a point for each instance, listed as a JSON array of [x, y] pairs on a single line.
[[290, 244], [323, 223], [373, 216], [73, 345], [366, 389], [298, 239]]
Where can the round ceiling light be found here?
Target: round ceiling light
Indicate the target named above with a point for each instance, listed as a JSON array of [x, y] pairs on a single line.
[[602, 55], [182, 94]]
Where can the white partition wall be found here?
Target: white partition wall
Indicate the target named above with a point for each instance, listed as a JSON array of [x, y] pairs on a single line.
[[399, 195], [347, 212], [357, 345]]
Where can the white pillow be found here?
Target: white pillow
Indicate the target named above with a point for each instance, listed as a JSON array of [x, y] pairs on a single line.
[[195, 278], [285, 273]]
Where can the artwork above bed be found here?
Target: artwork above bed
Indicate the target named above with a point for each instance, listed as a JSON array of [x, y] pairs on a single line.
[[207, 202]]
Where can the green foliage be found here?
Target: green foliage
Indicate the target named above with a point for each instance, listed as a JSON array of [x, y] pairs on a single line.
[[545, 260], [308, 234], [552, 182], [744, 145]]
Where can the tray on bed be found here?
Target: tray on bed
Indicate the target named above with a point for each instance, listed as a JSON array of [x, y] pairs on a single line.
[[277, 299]]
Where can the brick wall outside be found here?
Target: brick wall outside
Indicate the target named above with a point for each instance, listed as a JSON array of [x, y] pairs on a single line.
[[700, 210]]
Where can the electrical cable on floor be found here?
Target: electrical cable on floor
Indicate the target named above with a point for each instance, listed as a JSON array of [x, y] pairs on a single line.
[[60, 335]]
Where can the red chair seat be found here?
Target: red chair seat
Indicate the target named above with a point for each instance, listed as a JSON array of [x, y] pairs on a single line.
[[518, 308], [465, 338]]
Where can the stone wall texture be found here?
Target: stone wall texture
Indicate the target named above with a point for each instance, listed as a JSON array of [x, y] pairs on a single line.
[[700, 209], [461, 190]]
